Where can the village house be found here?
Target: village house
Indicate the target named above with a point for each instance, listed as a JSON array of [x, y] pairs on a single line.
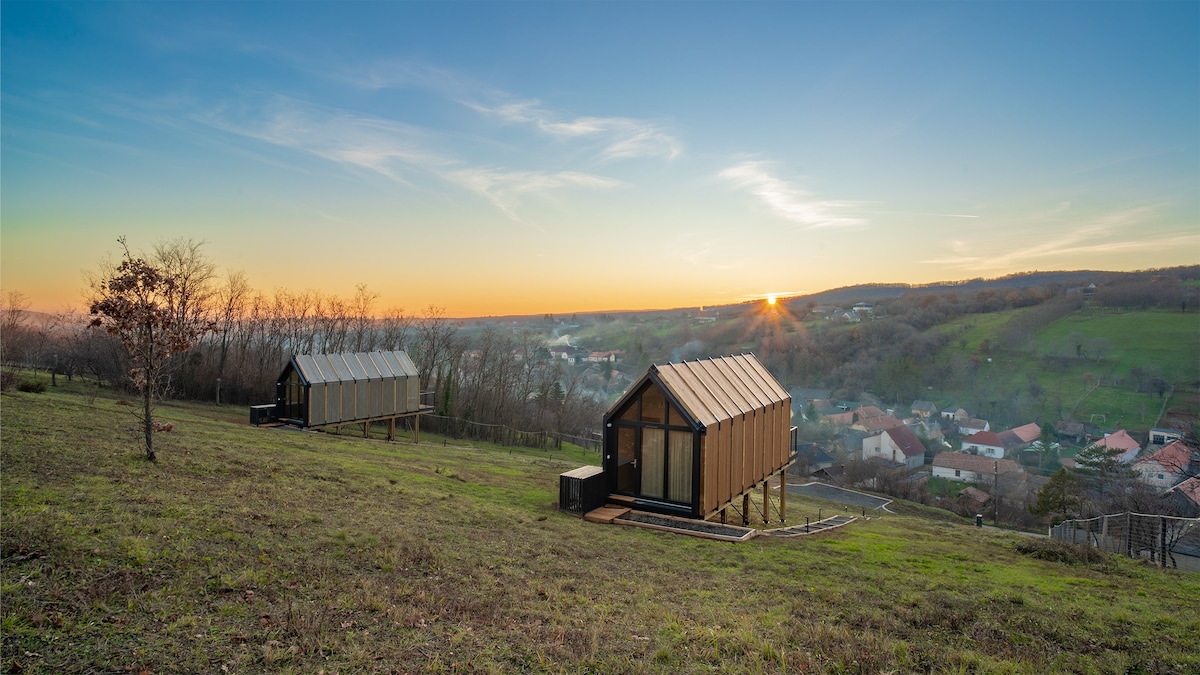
[[1164, 436], [984, 444], [971, 468], [924, 409], [1167, 467], [1021, 437], [898, 445], [1120, 445], [610, 356]]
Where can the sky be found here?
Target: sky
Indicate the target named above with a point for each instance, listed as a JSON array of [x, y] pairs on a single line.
[[496, 158]]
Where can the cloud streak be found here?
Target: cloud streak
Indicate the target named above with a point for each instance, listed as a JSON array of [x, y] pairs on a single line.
[[398, 151], [788, 201], [622, 137], [1093, 237]]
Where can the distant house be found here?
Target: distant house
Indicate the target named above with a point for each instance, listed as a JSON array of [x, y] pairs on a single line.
[[966, 468], [1072, 430], [1019, 438], [832, 474], [898, 445], [924, 409], [610, 356], [929, 429], [973, 426], [972, 500], [872, 425], [1185, 497], [808, 458], [1120, 445], [1166, 467], [985, 444], [843, 419], [1164, 436]]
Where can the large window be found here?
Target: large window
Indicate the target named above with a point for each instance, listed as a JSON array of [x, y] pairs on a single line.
[[654, 449]]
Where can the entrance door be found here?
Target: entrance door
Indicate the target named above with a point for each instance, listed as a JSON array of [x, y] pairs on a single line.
[[627, 475]]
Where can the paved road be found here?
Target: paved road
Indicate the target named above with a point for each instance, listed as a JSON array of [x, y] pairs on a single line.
[[841, 495]]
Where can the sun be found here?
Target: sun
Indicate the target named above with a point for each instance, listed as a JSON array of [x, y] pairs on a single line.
[[771, 299]]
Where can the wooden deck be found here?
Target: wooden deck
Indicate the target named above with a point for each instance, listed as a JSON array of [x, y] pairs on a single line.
[[605, 514]]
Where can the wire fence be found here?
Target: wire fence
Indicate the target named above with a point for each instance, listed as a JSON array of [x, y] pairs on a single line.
[[500, 434], [1168, 541]]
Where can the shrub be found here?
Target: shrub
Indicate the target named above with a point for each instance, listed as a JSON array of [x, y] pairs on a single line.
[[32, 386], [1061, 552], [8, 380]]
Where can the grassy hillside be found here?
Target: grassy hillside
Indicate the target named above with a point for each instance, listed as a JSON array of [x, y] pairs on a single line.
[[248, 550], [1098, 382]]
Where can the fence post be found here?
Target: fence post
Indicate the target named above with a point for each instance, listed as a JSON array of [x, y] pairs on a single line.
[[1162, 541], [1128, 534]]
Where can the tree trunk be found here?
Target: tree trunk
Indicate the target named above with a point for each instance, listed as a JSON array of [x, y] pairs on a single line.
[[148, 422]]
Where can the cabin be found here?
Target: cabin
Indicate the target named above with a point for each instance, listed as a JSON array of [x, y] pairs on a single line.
[[691, 439], [333, 390]]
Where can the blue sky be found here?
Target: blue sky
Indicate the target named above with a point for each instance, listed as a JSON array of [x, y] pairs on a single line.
[[496, 158]]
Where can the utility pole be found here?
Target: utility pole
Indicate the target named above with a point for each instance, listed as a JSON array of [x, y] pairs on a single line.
[[996, 497]]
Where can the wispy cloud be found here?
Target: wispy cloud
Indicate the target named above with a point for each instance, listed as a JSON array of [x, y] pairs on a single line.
[[622, 137], [401, 152], [787, 200], [1118, 232], [504, 189]]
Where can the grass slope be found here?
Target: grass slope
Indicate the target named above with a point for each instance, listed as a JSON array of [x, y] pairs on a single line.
[[1160, 341], [247, 550]]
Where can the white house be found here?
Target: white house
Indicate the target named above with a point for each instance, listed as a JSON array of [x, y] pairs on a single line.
[[966, 468], [1166, 468], [898, 445], [985, 444]]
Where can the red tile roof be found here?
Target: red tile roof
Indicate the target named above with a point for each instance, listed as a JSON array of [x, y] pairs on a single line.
[[906, 440], [964, 462], [1173, 457], [1119, 440], [984, 438]]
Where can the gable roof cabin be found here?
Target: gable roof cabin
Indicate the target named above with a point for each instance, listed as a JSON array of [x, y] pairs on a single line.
[[690, 438], [318, 390]]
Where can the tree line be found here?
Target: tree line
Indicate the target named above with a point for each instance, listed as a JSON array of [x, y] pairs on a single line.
[[243, 337]]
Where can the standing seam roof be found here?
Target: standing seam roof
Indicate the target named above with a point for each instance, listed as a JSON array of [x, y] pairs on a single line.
[[723, 387], [321, 368]]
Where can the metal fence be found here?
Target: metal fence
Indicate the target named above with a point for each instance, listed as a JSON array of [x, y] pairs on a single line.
[[504, 435], [1164, 540]]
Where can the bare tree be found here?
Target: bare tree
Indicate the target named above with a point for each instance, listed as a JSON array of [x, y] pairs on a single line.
[[146, 307]]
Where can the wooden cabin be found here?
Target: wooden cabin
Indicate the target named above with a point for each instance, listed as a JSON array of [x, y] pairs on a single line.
[[693, 438], [323, 390]]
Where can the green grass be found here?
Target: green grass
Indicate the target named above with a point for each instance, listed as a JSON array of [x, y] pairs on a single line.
[[1161, 342], [256, 550]]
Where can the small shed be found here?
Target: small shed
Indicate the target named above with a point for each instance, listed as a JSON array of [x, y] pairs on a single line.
[[691, 438], [321, 390]]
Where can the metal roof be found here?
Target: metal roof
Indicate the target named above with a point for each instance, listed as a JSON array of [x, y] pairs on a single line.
[[318, 368], [711, 390]]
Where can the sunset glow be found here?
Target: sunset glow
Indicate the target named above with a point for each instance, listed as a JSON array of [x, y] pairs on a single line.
[[532, 159]]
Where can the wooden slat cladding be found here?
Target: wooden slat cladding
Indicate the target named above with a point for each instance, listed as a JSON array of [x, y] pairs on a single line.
[[741, 415]]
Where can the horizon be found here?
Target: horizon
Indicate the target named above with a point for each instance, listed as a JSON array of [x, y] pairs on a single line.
[[575, 158]]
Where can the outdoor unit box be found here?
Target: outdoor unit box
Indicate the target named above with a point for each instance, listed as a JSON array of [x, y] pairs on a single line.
[[582, 490], [262, 414]]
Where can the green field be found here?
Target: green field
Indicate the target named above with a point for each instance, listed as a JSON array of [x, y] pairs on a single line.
[[1093, 387], [267, 550]]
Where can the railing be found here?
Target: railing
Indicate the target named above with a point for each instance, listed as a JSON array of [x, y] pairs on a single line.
[[1136, 535]]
